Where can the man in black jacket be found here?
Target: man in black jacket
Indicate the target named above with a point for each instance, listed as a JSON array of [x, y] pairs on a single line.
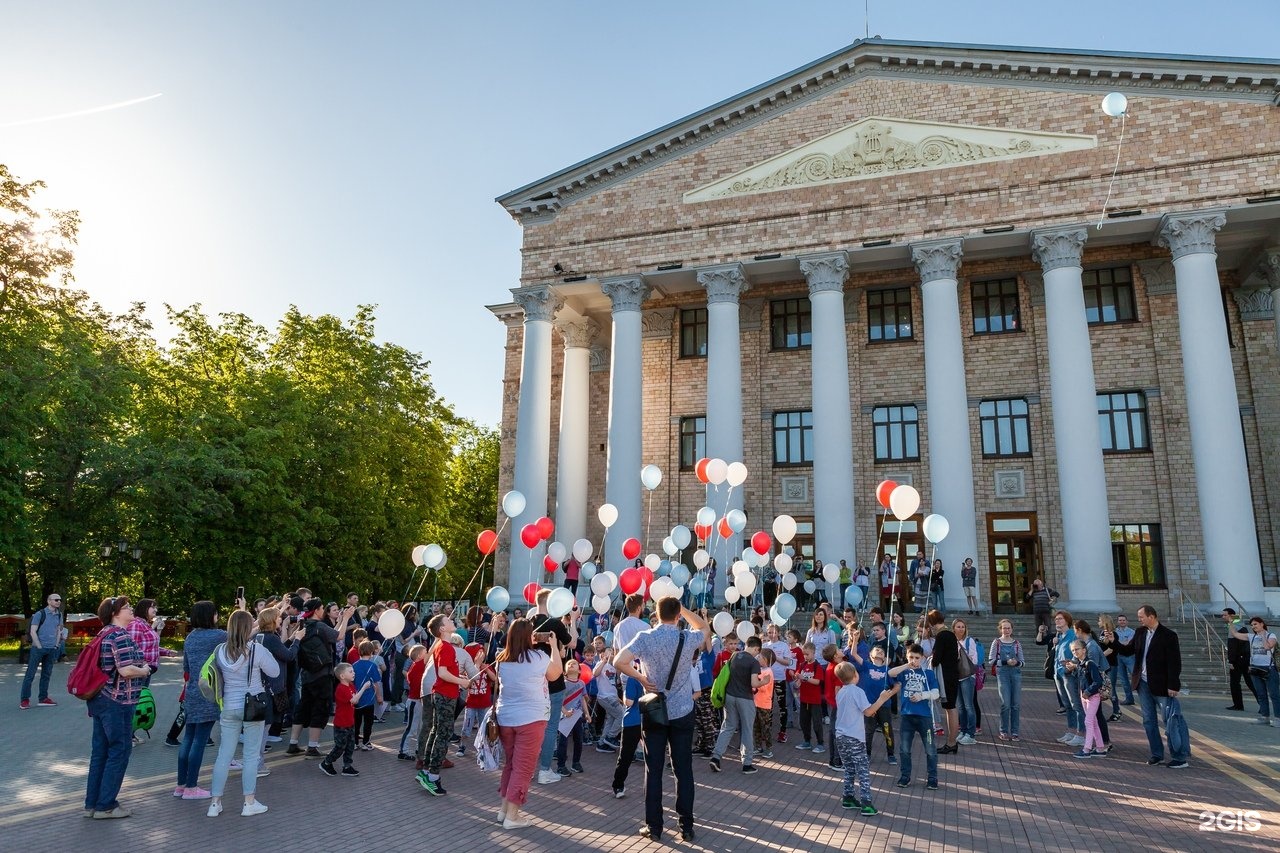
[[1157, 678], [1238, 657]]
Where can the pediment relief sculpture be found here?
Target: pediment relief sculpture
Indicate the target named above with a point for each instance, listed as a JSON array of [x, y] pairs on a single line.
[[876, 147]]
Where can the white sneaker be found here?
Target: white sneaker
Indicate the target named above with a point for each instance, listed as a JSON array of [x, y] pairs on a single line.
[[253, 808], [967, 740], [1076, 741], [237, 764], [548, 777], [273, 738], [215, 809], [1066, 737]]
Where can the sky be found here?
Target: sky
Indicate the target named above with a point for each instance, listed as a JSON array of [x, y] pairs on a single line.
[[327, 155]]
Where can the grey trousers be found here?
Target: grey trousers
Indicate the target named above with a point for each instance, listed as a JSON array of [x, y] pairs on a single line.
[[739, 717]]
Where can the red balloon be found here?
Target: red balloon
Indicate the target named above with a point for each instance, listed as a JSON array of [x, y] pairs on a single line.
[[487, 542], [701, 470], [631, 548], [530, 536], [629, 581], [546, 527], [549, 564], [531, 591], [883, 491], [725, 530], [703, 531], [761, 542], [646, 575]]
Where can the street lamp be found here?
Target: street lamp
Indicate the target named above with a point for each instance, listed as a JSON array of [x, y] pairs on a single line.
[[121, 548]]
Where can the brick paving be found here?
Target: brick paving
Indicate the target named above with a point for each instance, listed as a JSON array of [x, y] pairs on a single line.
[[1027, 796]]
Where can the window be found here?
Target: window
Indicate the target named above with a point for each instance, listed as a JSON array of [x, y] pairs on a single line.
[[889, 314], [791, 323], [793, 438], [1108, 296], [995, 307], [897, 431], [693, 333], [1137, 553], [1122, 421], [1006, 428], [693, 441]]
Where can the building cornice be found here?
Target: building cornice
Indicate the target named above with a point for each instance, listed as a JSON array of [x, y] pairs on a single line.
[[1159, 75]]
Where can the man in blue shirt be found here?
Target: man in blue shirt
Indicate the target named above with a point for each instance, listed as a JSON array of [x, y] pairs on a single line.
[[46, 636], [919, 689]]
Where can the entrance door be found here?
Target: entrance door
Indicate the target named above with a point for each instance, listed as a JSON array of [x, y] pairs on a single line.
[[1014, 560], [901, 540]]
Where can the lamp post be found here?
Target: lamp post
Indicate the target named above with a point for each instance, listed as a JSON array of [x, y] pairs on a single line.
[[122, 547]]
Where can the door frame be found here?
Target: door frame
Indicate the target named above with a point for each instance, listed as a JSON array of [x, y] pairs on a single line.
[[1029, 541]]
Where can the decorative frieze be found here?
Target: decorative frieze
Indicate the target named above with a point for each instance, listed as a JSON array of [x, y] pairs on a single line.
[[1158, 274], [1255, 303], [795, 490], [599, 358], [580, 333], [1010, 483]]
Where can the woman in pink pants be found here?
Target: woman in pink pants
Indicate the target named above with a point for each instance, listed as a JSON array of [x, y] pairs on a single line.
[[1090, 679], [524, 707]]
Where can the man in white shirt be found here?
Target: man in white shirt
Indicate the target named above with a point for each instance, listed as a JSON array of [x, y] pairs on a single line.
[[631, 626]]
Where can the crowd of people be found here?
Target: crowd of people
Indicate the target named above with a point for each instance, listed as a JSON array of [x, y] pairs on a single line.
[[656, 682]]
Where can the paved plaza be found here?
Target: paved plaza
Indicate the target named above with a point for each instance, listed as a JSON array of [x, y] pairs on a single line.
[[1027, 796]]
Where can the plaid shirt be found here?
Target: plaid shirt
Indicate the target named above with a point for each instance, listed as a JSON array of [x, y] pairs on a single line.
[[117, 650], [146, 640]]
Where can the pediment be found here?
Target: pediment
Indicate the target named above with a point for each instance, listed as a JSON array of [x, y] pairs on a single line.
[[877, 146]]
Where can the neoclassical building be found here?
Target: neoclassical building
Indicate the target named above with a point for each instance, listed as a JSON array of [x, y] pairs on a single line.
[[895, 263]]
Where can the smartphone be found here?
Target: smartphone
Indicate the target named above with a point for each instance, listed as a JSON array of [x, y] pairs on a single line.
[[542, 636], [239, 593]]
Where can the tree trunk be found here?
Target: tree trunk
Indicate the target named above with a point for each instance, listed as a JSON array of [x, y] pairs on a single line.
[[24, 587]]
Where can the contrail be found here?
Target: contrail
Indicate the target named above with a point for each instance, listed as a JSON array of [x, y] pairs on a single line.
[[77, 113]]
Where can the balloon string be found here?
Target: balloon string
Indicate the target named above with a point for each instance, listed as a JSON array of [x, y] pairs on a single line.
[[405, 597], [648, 521], [1114, 170]]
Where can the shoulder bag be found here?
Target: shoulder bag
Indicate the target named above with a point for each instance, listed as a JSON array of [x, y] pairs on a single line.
[[255, 704], [653, 706]]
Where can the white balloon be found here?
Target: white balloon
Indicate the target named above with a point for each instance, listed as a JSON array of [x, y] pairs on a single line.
[[706, 516], [785, 605], [745, 583], [559, 602], [680, 574], [904, 501], [651, 476], [557, 552], [722, 623], [416, 556], [582, 550], [784, 529], [444, 558], [830, 573], [432, 556], [717, 470], [588, 572], [600, 584], [737, 520], [745, 631], [390, 623], [600, 603], [497, 598], [669, 547], [613, 581], [783, 563], [663, 588], [651, 561], [1115, 104], [789, 580], [731, 595], [935, 528], [749, 555], [608, 514], [775, 617], [513, 503], [736, 474], [701, 558], [810, 586], [737, 567], [682, 536], [761, 560]]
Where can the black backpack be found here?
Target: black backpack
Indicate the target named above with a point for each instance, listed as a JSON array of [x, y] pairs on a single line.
[[313, 652]]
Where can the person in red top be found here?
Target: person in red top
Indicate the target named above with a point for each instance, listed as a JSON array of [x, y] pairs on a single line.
[[358, 636], [810, 675], [479, 696], [417, 656], [437, 709], [730, 649], [345, 697]]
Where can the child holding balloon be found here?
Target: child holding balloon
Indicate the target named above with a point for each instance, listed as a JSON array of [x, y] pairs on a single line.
[[764, 705]]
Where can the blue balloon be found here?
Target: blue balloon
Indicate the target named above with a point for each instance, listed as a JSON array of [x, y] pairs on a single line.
[[664, 569], [853, 596], [497, 599]]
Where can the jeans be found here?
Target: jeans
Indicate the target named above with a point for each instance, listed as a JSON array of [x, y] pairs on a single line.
[[1069, 693], [112, 745], [1153, 707], [520, 745], [553, 729], [191, 753], [966, 703], [1268, 686], [739, 718], [1009, 682], [230, 726], [1121, 672], [344, 744], [912, 725], [613, 712], [678, 735], [44, 658], [626, 755], [410, 717], [562, 745]]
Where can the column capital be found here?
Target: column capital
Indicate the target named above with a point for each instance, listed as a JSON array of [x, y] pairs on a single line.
[[1255, 303], [1058, 248], [937, 259], [626, 292], [1269, 267], [580, 333], [539, 301], [723, 282], [1190, 233], [825, 272]]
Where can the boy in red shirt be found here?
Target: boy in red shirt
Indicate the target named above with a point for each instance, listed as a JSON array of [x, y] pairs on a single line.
[[810, 675], [345, 698], [730, 649], [417, 668], [479, 697], [438, 708]]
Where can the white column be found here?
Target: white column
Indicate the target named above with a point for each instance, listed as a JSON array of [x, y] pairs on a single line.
[[724, 284], [833, 504], [533, 427], [626, 417], [571, 465], [1082, 479], [1217, 439], [947, 402]]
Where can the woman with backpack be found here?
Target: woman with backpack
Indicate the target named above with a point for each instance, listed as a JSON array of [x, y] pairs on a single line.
[[200, 713], [112, 709], [241, 664]]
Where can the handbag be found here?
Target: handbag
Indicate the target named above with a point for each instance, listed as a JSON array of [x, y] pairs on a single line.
[[255, 704], [653, 706], [965, 667]]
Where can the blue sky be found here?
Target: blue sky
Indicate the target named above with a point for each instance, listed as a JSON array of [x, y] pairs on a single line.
[[329, 154]]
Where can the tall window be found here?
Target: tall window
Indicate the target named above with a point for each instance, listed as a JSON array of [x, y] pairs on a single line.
[[793, 438], [1137, 554], [693, 440], [1006, 428], [889, 314], [1122, 420], [791, 319], [1108, 296], [995, 307], [897, 433], [693, 333]]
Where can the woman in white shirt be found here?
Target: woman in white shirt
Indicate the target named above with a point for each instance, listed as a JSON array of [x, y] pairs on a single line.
[[523, 709], [241, 663], [820, 633]]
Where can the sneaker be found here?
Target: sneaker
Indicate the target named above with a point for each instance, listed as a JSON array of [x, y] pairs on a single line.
[[1076, 741], [117, 812], [938, 732], [368, 747], [967, 740], [518, 823], [768, 753], [1275, 724], [266, 747], [892, 760], [1015, 738], [782, 737], [835, 766], [1263, 721], [25, 704], [1066, 737], [869, 810], [456, 739], [604, 747], [1083, 754], [350, 771], [564, 771], [237, 764], [196, 793], [179, 791], [327, 769], [460, 752], [263, 771], [251, 809], [932, 784], [547, 777], [850, 803], [437, 787], [576, 767], [819, 748], [293, 749], [1115, 718], [619, 793], [805, 745], [46, 702], [171, 742], [215, 809], [715, 765], [1101, 753], [1178, 765], [612, 744], [404, 756], [274, 738], [1153, 761], [826, 721], [1060, 711], [902, 783], [750, 768], [313, 752]]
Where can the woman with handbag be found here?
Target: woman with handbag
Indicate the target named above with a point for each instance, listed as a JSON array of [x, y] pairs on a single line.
[[275, 636], [241, 664], [968, 678]]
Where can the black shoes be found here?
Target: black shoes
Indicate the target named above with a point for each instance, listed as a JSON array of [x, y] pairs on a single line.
[[293, 749], [949, 750], [312, 752], [686, 834], [327, 769], [715, 765]]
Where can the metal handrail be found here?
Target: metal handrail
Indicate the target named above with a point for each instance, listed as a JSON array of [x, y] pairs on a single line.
[[1243, 613], [1215, 646]]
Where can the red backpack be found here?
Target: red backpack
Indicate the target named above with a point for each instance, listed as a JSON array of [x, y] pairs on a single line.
[[87, 678]]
